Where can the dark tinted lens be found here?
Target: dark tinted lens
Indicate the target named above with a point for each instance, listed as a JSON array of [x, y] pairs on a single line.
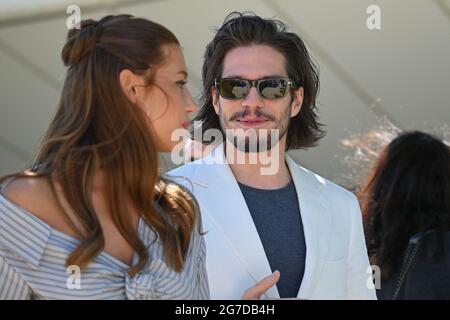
[[233, 88], [273, 88]]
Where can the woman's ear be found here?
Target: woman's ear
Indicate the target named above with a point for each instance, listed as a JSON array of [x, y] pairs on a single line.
[[128, 80], [297, 102]]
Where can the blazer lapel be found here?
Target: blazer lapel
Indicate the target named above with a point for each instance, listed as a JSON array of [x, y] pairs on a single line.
[[316, 219], [226, 209]]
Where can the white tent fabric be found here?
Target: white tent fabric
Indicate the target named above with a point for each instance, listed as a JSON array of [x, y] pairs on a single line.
[[20, 10], [400, 73]]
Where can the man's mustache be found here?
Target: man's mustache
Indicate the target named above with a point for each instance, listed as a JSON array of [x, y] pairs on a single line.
[[246, 112]]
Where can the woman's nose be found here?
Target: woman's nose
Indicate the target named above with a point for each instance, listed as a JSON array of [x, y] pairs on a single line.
[[191, 106]]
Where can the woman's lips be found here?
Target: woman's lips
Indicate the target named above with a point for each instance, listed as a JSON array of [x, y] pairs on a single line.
[[186, 124]]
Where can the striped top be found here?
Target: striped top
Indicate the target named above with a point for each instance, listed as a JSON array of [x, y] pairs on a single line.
[[33, 256]]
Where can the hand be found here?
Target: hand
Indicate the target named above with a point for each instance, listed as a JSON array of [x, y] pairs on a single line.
[[261, 287]]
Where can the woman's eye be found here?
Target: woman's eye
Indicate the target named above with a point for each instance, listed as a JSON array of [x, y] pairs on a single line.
[[182, 83]]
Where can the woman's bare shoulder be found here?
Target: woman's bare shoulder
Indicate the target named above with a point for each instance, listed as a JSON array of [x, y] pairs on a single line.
[[34, 195], [27, 191]]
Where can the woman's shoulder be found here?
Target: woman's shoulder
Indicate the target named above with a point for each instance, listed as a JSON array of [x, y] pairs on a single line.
[[34, 196], [22, 232], [30, 193], [21, 188]]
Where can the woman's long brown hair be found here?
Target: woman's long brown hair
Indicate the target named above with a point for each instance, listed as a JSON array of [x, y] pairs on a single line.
[[96, 125]]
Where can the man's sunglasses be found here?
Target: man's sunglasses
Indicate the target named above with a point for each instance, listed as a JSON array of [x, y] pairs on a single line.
[[237, 89]]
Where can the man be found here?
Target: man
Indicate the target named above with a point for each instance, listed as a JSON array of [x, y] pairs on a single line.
[[260, 88]]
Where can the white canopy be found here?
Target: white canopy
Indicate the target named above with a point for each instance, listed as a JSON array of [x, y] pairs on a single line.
[[400, 73]]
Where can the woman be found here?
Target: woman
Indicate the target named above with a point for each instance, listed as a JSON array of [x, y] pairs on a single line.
[[407, 215], [93, 218]]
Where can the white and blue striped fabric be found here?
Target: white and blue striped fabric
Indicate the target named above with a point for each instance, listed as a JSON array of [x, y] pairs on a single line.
[[33, 256]]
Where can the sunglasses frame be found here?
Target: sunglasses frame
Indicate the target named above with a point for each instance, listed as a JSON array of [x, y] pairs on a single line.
[[255, 83]]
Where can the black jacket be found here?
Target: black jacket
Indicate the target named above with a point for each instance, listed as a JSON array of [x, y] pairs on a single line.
[[428, 276]]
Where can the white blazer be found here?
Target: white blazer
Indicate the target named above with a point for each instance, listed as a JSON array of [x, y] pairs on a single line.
[[337, 266]]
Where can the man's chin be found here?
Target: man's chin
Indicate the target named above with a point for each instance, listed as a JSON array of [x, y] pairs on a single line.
[[252, 140], [253, 145]]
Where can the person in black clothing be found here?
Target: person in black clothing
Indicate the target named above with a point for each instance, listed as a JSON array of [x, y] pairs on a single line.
[[406, 208]]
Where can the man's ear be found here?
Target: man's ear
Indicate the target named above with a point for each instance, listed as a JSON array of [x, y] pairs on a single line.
[[297, 102], [215, 99], [127, 81]]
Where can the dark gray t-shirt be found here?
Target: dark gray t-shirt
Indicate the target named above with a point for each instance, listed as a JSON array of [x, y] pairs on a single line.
[[276, 214]]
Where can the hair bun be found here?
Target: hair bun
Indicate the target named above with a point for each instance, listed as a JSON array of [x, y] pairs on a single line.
[[81, 41]]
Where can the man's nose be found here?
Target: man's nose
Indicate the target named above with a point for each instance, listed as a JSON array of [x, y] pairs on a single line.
[[253, 99]]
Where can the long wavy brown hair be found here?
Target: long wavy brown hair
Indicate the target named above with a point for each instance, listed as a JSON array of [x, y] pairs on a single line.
[[97, 126]]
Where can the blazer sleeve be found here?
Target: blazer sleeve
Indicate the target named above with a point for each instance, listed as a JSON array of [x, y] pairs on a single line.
[[359, 274], [12, 285]]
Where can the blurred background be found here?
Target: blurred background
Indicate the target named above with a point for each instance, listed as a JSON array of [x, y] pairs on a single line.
[[374, 83]]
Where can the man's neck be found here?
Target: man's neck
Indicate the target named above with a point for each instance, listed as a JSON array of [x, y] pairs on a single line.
[[249, 172]]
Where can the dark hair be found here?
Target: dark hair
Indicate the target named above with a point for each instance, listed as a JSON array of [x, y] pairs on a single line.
[[96, 125], [244, 29], [407, 193]]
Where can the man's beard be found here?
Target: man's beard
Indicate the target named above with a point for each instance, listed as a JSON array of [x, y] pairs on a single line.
[[252, 140]]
